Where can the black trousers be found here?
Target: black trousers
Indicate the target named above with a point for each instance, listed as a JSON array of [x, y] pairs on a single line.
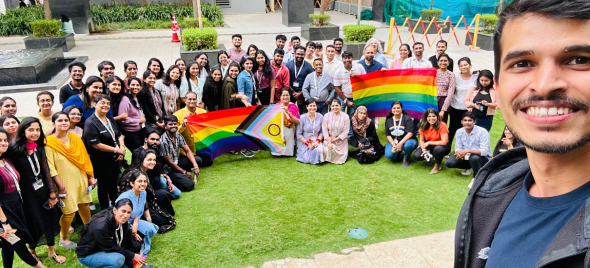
[[134, 140], [438, 151], [21, 250], [475, 162], [454, 123], [180, 180], [264, 97], [107, 174]]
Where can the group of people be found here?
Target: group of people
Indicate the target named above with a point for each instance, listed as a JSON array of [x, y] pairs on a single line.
[[54, 159]]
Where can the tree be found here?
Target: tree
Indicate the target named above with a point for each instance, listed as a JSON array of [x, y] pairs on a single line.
[[197, 12], [324, 6], [47, 10]]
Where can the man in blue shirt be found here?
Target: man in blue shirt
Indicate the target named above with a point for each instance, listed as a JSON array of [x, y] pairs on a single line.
[[369, 64], [298, 71]]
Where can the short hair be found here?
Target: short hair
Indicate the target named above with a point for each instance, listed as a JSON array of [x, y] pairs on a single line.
[[279, 51], [293, 38], [76, 64], [332, 46], [555, 9], [151, 130], [169, 118], [338, 39], [129, 62], [318, 44], [318, 59], [297, 48], [281, 37], [442, 41], [102, 97], [347, 54], [102, 64], [468, 114], [444, 55], [417, 43], [236, 35], [310, 44], [192, 92], [310, 101]]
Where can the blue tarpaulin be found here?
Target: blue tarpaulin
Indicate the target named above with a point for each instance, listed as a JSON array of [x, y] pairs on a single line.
[[400, 9]]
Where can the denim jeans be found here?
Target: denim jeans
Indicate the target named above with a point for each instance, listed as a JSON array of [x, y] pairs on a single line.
[[164, 185], [408, 147], [104, 260], [350, 112], [485, 122], [322, 108]]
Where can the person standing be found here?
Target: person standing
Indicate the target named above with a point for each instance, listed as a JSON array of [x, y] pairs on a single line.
[[331, 64], [481, 99], [116, 89], [343, 86], [106, 148], [179, 167], [74, 87], [463, 82], [236, 52], [223, 60], [203, 61], [192, 83], [45, 102], [404, 53], [418, 60], [132, 127], [212, 90], [319, 86], [445, 86], [7, 106], [281, 74], [319, 51], [230, 98], [310, 52], [94, 86], [338, 44], [75, 115], [245, 81], [106, 68], [130, 71], [280, 41], [155, 65], [441, 48], [290, 53], [298, 71], [10, 124], [264, 78], [151, 101], [379, 56], [168, 87]]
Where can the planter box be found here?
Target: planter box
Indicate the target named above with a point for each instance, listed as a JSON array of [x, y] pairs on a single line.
[[357, 49], [484, 41], [445, 27], [30, 66], [211, 54], [313, 33], [65, 42]]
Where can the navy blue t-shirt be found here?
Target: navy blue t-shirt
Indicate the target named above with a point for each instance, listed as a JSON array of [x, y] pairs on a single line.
[[375, 66], [530, 224]]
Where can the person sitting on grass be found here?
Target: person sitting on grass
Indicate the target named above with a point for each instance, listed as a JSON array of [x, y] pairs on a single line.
[[365, 134], [434, 136], [309, 135], [472, 146], [179, 167], [506, 142], [399, 131]]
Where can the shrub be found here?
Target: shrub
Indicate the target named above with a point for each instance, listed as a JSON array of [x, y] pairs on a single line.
[[358, 34], [17, 21], [488, 22], [46, 28], [194, 23], [428, 14], [110, 14], [319, 20], [195, 39], [117, 26]]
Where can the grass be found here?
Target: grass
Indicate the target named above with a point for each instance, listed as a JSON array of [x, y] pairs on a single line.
[[248, 211], [117, 26]]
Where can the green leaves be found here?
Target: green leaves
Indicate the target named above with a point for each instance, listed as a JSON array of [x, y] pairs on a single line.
[[46, 28], [428, 14], [16, 21], [195, 39], [489, 23], [110, 14], [358, 34], [320, 20]]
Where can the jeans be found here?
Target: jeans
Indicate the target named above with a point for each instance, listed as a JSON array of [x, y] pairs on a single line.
[[164, 185], [408, 147], [475, 162], [322, 108], [350, 112], [485, 122], [104, 260]]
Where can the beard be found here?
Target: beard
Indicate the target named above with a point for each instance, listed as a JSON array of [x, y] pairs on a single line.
[[550, 147]]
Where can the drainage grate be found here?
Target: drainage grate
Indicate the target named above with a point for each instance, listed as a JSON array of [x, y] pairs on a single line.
[[223, 3]]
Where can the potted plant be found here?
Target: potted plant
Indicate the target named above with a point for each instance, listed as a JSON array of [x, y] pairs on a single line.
[[47, 34], [356, 37], [427, 15], [320, 27], [485, 37], [195, 41]]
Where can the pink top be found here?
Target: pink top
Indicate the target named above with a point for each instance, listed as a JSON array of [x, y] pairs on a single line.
[[396, 64], [292, 108]]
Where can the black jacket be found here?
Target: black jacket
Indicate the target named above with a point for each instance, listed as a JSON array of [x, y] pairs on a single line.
[[148, 105], [99, 236], [494, 188]]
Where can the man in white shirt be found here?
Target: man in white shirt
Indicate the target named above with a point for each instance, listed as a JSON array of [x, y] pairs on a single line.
[[338, 44], [343, 86], [331, 64], [418, 61]]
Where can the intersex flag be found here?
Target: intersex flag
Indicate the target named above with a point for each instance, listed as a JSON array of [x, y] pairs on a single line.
[[415, 88], [219, 132]]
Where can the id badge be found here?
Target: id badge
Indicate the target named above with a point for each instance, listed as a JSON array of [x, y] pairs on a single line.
[[295, 84], [37, 184]]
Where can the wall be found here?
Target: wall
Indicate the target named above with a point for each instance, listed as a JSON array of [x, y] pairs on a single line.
[[351, 8], [365, 3], [237, 6]]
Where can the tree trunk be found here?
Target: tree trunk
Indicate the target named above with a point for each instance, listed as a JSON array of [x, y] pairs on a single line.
[[47, 10], [431, 4], [144, 2], [358, 15], [324, 6], [197, 12]]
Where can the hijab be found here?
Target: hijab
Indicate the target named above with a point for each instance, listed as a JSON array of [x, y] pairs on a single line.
[[360, 126]]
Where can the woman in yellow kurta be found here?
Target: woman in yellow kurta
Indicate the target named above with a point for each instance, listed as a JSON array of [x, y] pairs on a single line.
[[72, 171]]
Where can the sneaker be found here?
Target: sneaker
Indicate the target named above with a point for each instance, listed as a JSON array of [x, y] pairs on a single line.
[[466, 172], [405, 164], [92, 206], [68, 245], [470, 184], [246, 153]]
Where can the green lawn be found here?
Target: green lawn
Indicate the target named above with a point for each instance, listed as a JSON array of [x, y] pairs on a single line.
[[248, 211]]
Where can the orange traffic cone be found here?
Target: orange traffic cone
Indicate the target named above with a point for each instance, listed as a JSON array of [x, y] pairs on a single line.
[[290, 48], [175, 29]]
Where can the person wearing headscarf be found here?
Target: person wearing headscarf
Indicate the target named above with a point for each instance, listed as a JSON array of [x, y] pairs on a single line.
[[379, 55], [365, 135]]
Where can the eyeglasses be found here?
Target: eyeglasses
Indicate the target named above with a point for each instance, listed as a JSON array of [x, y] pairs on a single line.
[[75, 114], [300, 54], [45, 101]]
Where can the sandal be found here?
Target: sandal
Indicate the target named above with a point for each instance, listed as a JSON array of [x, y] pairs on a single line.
[[54, 257]]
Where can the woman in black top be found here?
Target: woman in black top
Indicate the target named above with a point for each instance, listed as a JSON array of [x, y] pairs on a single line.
[[106, 240], [37, 187], [116, 90], [212, 90], [365, 134], [106, 148], [151, 101], [506, 142], [11, 212], [399, 130]]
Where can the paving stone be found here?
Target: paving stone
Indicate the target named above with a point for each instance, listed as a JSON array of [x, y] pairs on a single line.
[[394, 254], [290, 263], [437, 248], [353, 260]]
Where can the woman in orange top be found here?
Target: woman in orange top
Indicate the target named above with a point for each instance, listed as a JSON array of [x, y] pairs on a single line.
[[434, 136]]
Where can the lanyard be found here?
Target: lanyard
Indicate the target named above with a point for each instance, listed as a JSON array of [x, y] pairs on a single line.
[[295, 66], [109, 129], [253, 85], [119, 235], [259, 77], [277, 74], [36, 169], [315, 82], [12, 174]]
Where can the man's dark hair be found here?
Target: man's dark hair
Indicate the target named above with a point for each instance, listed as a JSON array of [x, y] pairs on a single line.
[[468, 114], [310, 44], [282, 37], [236, 35], [338, 39], [77, 64], [279, 51], [555, 9], [346, 54], [169, 118], [295, 38], [104, 63], [442, 41], [332, 46], [318, 59], [151, 130], [297, 48], [417, 43]]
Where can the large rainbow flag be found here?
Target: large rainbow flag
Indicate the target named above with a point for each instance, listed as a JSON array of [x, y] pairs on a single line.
[[415, 88], [219, 132]]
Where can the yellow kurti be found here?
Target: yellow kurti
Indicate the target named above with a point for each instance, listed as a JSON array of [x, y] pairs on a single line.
[[46, 125], [73, 178], [184, 131]]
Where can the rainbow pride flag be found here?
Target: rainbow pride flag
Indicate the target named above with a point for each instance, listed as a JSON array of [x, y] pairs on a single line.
[[415, 88], [214, 132]]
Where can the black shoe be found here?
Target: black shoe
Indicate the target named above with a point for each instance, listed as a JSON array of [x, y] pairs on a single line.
[[247, 153]]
